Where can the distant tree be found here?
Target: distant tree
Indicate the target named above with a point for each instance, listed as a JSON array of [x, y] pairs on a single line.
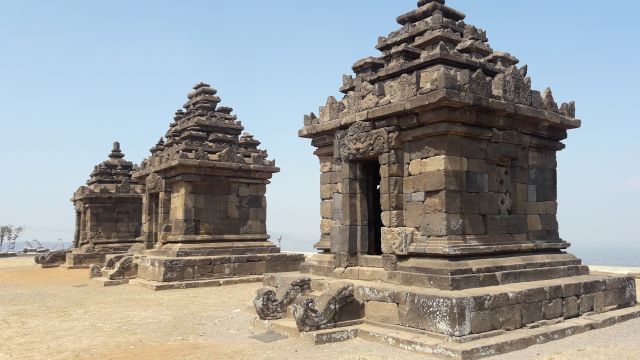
[[10, 233]]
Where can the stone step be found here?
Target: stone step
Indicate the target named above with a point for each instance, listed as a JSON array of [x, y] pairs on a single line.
[[158, 286], [104, 281], [288, 327], [471, 348]]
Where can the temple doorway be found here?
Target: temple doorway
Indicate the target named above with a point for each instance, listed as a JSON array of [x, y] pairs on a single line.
[[155, 216], [370, 172]]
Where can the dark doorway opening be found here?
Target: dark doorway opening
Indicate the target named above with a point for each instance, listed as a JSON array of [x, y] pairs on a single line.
[[79, 228], [155, 217], [371, 176]]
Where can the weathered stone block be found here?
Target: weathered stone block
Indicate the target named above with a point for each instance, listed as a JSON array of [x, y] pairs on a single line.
[[507, 318], [444, 162], [552, 309], [532, 312], [481, 321], [442, 224], [396, 240], [393, 218], [440, 180], [474, 224], [326, 209], [571, 307], [599, 302], [415, 167], [586, 303], [384, 312], [408, 186], [413, 214], [391, 202], [489, 203], [477, 182], [534, 223], [437, 314]]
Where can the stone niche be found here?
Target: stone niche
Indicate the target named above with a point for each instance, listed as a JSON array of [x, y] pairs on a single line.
[[107, 211], [204, 208], [438, 184]]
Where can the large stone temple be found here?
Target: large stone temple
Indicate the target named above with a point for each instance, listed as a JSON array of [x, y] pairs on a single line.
[[204, 208], [107, 212], [438, 202]]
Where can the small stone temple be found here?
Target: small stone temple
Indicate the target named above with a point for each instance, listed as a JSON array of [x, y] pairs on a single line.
[[204, 208], [438, 187], [107, 212]]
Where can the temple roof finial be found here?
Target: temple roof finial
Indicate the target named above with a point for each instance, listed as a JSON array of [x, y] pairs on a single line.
[[425, 2], [115, 152]]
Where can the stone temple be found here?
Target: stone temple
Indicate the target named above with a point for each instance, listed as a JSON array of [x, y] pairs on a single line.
[[438, 202], [204, 208], [108, 213]]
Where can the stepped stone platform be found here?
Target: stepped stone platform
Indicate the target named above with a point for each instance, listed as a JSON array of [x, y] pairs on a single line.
[[461, 324]]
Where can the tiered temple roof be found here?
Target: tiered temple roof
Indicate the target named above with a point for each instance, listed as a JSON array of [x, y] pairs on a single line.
[[435, 36], [112, 176], [114, 170], [204, 131]]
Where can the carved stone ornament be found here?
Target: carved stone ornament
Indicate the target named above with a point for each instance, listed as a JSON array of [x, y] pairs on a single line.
[[95, 271], [154, 183], [362, 141], [55, 257], [123, 268], [313, 314], [271, 304], [396, 240]]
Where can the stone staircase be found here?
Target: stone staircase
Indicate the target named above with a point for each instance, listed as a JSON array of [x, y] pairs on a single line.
[[118, 269]]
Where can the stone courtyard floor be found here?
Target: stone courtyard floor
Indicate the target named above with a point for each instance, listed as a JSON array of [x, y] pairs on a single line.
[[61, 314]]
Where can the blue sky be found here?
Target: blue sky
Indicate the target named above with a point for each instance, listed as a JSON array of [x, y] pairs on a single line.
[[77, 75]]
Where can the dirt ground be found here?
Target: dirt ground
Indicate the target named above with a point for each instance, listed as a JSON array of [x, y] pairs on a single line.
[[61, 314]]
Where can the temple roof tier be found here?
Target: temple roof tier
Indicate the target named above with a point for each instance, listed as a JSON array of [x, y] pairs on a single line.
[[436, 50], [206, 132]]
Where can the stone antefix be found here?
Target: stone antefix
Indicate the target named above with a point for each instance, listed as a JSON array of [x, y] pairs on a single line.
[[439, 199], [204, 208], [108, 213]]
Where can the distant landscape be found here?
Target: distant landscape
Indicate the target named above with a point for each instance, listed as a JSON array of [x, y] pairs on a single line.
[[609, 256]]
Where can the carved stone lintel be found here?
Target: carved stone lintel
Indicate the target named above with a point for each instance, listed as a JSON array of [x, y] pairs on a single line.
[[362, 141], [313, 314], [271, 304], [154, 183]]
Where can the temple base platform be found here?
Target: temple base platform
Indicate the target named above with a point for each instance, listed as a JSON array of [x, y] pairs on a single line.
[[158, 272], [459, 324]]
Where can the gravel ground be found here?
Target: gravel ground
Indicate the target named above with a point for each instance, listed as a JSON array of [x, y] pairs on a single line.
[[61, 314]]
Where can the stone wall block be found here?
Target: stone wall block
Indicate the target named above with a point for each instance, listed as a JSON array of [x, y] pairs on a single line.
[[390, 202], [474, 224], [507, 318], [393, 218], [414, 213], [489, 203], [383, 312], [438, 163], [532, 313], [442, 225], [552, 309], [325, 209], [571, 307], [477, 182]]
